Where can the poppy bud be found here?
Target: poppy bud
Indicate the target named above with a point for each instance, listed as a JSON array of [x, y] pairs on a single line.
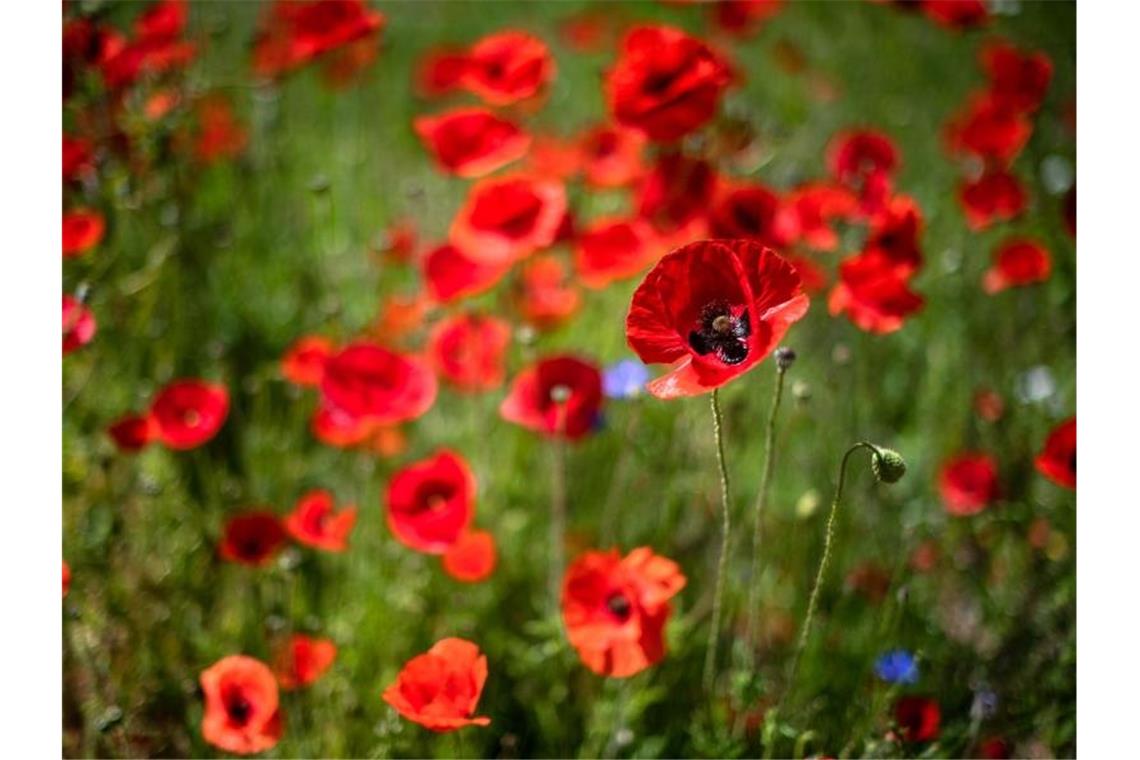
[[888, 465], [785, 358]]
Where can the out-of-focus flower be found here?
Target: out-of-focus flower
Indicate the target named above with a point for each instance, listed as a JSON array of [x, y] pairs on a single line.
[[66, 578], [188, 413], [507, 66], [366, 381], [812, 277], [754, 212], [870, 579], [665, 82], [925, 556], [295, 32], [894, 236], [301, 660], [613, 249], [507, 218], [957, 14], [440, 689], [615, 609], [1058, 460], [304, 361], [431, 502], [1018, 80], [440, 71], [558, 396], [241, 714], [873, 294], [989, 404], [1017, 263], [587, 31], [546, 295], [133, 432], [451, 274], [816, 206], [994, 748], [743, 17], [77, 158], [865, 161], [252, 538], [625, 378], [989, 130], [472, 557], [469, 351], [675, 195], [996, 196], [897, 666], [219, 134], [82, 231], [471, 142], [968, 483], [611, 156], [400, 240], [78, 324], [918, 718], [314, 523]]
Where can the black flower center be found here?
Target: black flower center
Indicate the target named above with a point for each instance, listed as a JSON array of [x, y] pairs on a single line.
[[720, 332], [239, 708], [1073, 461], [619, 606]]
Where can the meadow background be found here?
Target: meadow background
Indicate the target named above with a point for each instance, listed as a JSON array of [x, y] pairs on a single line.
[[214, 271]]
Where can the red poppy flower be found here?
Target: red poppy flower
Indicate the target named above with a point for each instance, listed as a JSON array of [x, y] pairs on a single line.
[[313, 522], [469, 351], [554, 158], [968, 483], [506, 218], [894, 234], [451, 274], [365, 381], [1017, 263], [440, 71], [252, 538], [133, 432], [558, 396], [301, 660], [219, 134], [241, 712], [163, 20], [431, 502], [957, 14], [334, 428], [546, 296], [78, 324], [865, 161], [918, 718], [988, 129], [996, 196], [298, 31], [122, 62], [507, 66], [615, 609], [440, 689], [160, 103], [754, 212], [676, 194], [611, 156], [1018, 80], [873, 294], [743, 17], [77, 158], [304, 362], [816, 206], [66, 578], [665, 83], [189, 412], [400, 241], [82, 231], [471, 142], [1058, 460], [345, 65], [994, 748], [472, 558], [401, 315], [812, 277], [613, 249], [714, 309]]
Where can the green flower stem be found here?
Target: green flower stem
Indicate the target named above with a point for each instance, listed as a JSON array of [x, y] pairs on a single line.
[[557, 510], [718, 593]]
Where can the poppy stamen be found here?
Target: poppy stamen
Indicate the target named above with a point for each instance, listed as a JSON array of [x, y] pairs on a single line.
[[721, 332], [618, 604]]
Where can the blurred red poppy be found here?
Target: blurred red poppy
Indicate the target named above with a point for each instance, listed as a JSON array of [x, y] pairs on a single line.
[[431, 502], [957, 14], [252, 538], [1058, 460], [560, 396], [714, 309], [440, 689], [66, 578], [471, 142], [743, 17], [968, 483], [297, 31], [613, 249], [918, 718], [440, 71], [472, 558], [507, 218], [133, 432], [451, 274], [304, 362], [989, 404], [163, 20], [665, 82], [754, 212], [219, 134], [676, 194], [1017, 263], [988, 129], [337, 429], [865, 161], [611, 156], [366, 381], [615, 609], [400, 241], [77, 158], [1017, 80], [546, 296], [314, 523], [994, 748], [241, 713], [469, 351], [816, 206], [188, 413], [82, 231], [893, 236], [401, 314], [507, 66], [812, 277], [553, 157], [873, 294], [78, 324], [996, 196], [301, 660]]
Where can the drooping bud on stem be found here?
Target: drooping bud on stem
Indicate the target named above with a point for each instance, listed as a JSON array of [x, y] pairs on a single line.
[[785, 358], [887, 464]]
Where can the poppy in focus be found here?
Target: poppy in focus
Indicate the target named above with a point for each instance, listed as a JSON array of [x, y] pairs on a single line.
[[301, 660], [469, 351], [713, 309], [314, 523], [241, 713], [440, 689], [1058, 460], [431, 502], [968, 483], [615, 609], [252, 538], [188, 413], [472, 558], [560, 396]]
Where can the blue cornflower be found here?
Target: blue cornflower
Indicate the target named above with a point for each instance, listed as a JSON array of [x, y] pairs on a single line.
[[897, 666], [625, 379]]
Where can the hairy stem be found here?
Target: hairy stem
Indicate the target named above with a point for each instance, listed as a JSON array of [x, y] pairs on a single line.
[[718, 593]]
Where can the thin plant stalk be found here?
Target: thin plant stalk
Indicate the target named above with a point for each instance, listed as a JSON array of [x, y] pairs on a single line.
[[557, 507], [726, 524]]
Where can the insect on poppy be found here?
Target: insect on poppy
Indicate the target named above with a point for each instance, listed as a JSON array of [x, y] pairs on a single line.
[[430, 503], [712, 309], [440, 689], [559, 396], [242, 712], [615, 609]]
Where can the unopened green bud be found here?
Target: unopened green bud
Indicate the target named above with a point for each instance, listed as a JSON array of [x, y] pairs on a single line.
[[888, 465]]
